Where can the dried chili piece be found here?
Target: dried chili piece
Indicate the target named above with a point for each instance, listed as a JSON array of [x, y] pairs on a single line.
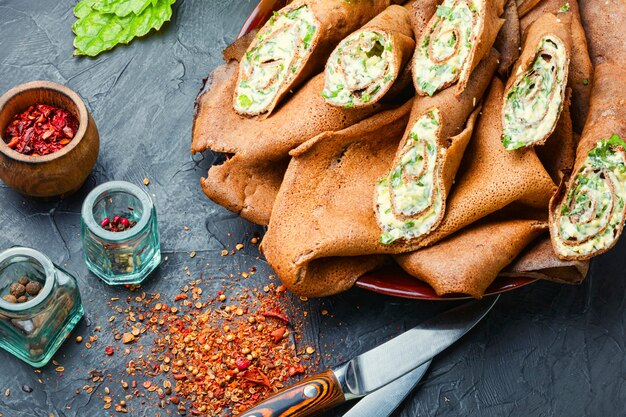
[[40, 130]]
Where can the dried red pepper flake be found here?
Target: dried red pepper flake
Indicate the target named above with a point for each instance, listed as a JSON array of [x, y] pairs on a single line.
[[296, 369], [278, 334], [109, 350], [242, 363], [40, 130], [276, 315]]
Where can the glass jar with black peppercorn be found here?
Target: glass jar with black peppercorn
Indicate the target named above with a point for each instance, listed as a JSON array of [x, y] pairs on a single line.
[[39, 305]]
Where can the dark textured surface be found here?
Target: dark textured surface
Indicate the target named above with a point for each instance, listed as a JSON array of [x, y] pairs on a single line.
[[545, 350]]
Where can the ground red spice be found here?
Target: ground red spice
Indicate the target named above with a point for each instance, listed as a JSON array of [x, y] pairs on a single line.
[[40, 130], [207, 355]]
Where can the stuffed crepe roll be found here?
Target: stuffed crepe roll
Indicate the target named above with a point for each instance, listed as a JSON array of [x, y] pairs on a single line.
[[410, 200], [294, 45], [456, 39], [365, 65], [534, 96], [587, 213]]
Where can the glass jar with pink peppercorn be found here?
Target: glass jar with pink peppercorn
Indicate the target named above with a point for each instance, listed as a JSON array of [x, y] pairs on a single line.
[[120, 233]]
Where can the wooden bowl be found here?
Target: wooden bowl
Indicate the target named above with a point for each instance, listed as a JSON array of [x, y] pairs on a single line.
[[57, 174]]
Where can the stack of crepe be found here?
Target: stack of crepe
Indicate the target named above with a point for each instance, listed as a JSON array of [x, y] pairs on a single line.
[[460, 139]]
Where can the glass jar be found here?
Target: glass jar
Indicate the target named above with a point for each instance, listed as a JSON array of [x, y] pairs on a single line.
[[34, 330], [120, 257]]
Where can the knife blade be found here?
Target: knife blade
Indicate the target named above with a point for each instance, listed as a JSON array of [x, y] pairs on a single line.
[[383, 402], [376, 368]]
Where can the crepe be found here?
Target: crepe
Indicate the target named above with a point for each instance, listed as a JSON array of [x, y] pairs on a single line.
[[534, 94], [470, 260], [293, 46], [490, 177], [524, 6], [558, 153], [364, 66], [329, 183], [410, 199], [457, 38], [219, 128], [245, 187], [604, 24], [587, 213], [581, 70], [509, 39], [540, 261]]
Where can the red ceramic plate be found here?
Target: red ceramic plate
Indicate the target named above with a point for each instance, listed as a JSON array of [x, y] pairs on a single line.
[[391, 281]]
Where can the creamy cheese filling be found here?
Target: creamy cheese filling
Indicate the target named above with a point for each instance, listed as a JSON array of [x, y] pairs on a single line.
[[273, 59], [409, 199], [592, 213], [533, 104], [360, 69], [444, 49]]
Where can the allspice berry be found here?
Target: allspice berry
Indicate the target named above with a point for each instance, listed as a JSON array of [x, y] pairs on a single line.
[[10, 299], [33, 288], [23, 280], [17, 290], [22, 299]]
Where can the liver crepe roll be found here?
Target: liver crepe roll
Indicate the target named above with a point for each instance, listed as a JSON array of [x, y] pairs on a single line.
[[329, 183], [491, 178], [457, 38], [581, 70], [604, 24], [587, 212], [410, 199], [293, 46], [364, 66], [535, 92], [470, 260]]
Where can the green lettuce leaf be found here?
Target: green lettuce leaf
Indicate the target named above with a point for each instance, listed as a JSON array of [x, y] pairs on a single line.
[[123, 8], [97, 31]]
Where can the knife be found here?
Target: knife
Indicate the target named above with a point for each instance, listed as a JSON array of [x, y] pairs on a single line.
[[383, 402], [376, 368]]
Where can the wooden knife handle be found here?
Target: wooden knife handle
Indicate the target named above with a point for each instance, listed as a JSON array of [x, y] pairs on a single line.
[[304, 399]]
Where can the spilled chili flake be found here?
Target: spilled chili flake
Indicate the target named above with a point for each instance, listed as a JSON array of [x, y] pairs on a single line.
[[40, 130], [209, 354]]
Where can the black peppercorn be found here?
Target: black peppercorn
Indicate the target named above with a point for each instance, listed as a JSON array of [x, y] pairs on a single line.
[[17, 290], [10, 299], [33, 288]]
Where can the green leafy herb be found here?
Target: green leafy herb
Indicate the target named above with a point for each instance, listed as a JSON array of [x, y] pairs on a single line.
[[445, 12], [564, 8], [428, 87], [585, 82], [386, 239], [599, 155], [244, 101], [102, 24]]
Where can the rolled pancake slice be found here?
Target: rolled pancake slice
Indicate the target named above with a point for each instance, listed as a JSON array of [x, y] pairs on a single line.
[[294, 45], [524, 6], [540, 261], [245, 187], [364, 66], [409, 201], [491, 178], [587, 213], [470, 260], [580, 75], [322, 214], [219, 128], [456, 39], [533, 98]]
